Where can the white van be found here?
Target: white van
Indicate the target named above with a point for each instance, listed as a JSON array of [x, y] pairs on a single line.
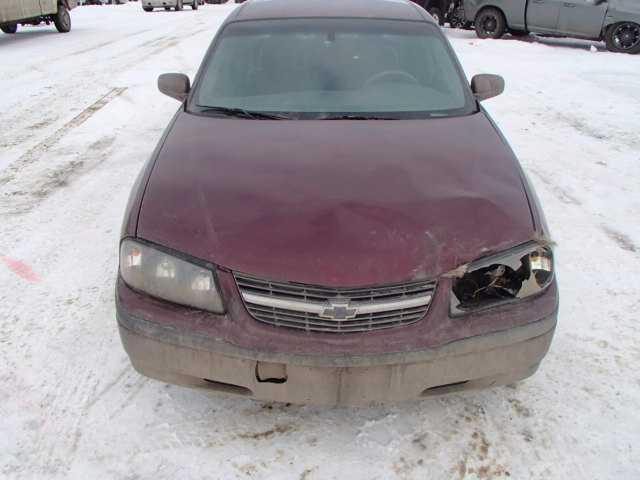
[[33, 12]]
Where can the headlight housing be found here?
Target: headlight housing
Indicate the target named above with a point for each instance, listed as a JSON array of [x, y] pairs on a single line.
[[168, 277], [515, 274]]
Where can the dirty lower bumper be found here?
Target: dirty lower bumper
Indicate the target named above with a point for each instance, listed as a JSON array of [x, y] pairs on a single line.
[[482, 361]]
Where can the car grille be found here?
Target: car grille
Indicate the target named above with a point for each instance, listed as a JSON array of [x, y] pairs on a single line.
[[338, 310]]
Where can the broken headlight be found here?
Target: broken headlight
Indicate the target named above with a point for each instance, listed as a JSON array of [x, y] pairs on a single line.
[[166, 276], [518, 273]]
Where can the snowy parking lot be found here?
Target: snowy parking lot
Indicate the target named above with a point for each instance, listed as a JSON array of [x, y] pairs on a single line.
[[80, 113]]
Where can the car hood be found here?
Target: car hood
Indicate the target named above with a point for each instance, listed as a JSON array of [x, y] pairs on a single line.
[[335, 203]]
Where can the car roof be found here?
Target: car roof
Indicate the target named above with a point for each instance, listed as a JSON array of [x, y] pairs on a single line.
[[376, 9]]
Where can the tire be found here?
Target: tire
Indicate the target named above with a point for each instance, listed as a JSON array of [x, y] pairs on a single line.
[[179, 6], [490, 23], [623, 37], [436, 13], [148, 9], [10, 29], [194, 5], [62, 19]]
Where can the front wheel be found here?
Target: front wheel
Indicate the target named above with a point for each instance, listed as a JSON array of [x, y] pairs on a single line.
[[490, 23], [623, 37], [10, 29], [62, 19], [436, 13]]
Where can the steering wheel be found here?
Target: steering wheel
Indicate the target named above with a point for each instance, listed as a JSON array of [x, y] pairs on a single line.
[[382, 76]]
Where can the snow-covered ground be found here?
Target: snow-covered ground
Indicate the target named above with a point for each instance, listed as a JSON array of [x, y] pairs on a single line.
[[80, 113]]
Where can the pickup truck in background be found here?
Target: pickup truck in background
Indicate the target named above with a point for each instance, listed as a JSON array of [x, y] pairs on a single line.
[[34, 12], [617, 22]]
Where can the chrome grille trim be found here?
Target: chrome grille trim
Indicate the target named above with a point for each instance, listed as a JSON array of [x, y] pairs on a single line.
[[319, 308], [338, 310]]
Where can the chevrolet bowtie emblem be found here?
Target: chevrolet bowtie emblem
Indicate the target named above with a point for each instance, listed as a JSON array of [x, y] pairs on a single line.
[[339, 310]]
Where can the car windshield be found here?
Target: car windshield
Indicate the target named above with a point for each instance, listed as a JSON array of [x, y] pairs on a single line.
[[329, 68]]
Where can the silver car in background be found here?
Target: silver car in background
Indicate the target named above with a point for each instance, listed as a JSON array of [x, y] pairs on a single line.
[[617, 22], [149, 5], [34, 12]]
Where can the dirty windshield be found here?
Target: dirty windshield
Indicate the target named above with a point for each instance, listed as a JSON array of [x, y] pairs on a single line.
[[328, 68]]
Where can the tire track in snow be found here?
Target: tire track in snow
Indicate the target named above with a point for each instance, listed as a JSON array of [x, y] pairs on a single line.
[[45, 105], [89, 405], [33, 187], [41, 148], [560, 193], [161, 45], [104, 44], [66, 56], [620, 239], [139, 384], [68, 411]]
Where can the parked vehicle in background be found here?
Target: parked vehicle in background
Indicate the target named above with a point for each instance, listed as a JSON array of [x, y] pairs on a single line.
[[102, 2], [149, 5], [438, 9], [34, 12], [617, 22], [456, 17]]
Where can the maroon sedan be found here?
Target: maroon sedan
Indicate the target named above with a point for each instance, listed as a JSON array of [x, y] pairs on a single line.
[[331, 217]]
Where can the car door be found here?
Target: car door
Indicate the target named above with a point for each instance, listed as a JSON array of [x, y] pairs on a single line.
[[582, 18], [543, 15]]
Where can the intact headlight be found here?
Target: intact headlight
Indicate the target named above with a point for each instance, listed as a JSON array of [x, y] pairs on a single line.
[[518, 273], [168, 277]]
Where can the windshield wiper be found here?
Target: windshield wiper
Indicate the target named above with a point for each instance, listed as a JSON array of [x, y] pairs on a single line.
[[355, 117], [242, 113]]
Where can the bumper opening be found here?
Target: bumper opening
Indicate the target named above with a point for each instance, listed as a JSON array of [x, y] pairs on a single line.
[[227, 388], [446, 388], [271, 372]]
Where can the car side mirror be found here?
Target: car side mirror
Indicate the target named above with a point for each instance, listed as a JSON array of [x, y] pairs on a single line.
[[176, 85], [486, 86]]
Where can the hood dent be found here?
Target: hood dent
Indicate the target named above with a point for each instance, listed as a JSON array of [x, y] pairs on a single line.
[[348, 203]]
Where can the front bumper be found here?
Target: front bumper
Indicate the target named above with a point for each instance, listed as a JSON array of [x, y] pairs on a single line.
[[194, 358]]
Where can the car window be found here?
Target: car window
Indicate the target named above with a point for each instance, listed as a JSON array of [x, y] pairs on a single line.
[[319, 67]]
